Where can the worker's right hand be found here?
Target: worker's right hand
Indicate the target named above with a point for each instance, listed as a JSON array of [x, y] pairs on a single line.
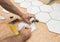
[[25, 32], [26, 17]]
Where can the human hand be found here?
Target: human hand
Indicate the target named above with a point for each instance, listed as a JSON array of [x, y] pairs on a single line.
[[27, 17], [25, 33]]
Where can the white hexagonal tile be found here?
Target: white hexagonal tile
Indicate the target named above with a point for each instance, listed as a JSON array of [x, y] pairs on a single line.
[[5, 11], [46, 8], [56, 7], [25, 4], [21, 24], [54, 26], [18, 1], [36, 3], [43, 17], [33, 9], [55, 15]]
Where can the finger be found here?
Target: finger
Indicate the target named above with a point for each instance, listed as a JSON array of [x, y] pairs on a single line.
[[32, 16], [28, 28], [27, 21], [25, 28]]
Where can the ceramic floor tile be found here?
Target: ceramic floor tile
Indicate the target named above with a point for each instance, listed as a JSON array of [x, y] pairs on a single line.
[[36, 3], [54, 26], [55, 15], [46, 8], [25, 4], [21, 24], [18, 1], [56, 7], [33, 9], [43, 17], [3, 10]]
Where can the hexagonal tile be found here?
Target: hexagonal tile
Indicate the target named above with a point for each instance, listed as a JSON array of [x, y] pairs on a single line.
[[46, 8], [55, 15], [25, 4], [56, 7], [21, 24], [54, 26], [43, 17], [36, 3], [33, 9], [18, 1]]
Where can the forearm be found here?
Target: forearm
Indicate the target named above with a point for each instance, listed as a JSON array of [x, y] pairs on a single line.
[[14, 39], [17, 39], [8, 5]]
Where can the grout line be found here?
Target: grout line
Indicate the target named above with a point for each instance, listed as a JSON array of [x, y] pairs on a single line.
[[55, 19], [50, 16]]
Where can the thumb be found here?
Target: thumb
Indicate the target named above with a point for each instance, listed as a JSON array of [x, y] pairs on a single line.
[[32, 16]]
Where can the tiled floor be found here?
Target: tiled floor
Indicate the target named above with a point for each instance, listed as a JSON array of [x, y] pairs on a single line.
[[49, 14]]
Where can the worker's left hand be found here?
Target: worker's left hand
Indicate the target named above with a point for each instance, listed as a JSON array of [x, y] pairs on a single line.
[[27, 17], [24, 35]]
